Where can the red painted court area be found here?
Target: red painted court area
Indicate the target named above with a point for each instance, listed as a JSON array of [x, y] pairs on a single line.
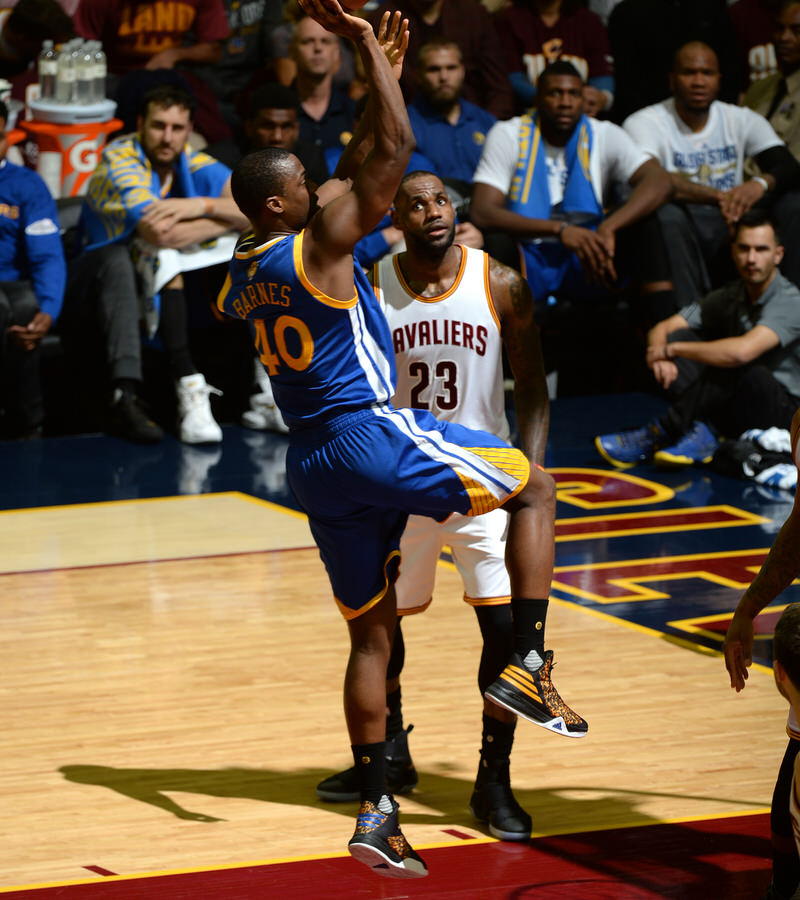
[[714, 858]]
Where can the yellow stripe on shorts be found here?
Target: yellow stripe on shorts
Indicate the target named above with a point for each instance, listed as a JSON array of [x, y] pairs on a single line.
[[508, 460]]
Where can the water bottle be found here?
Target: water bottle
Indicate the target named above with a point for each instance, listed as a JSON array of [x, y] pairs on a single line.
[[48, 69], [65, 75], [100, 71], [84, 74]]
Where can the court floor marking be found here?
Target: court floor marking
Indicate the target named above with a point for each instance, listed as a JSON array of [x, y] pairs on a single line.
[[678, 820]]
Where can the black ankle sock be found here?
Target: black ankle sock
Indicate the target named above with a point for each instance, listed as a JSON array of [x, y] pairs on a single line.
[[370, 763], [529, 619], [497, 739], [394, 714], [496, 744]]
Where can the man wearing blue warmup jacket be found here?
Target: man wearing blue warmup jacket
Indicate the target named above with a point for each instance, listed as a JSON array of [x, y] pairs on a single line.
[[32, 278]]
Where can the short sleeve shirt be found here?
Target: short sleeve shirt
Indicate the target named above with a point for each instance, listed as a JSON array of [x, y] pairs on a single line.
[[133, 31], [727, 312], [530, 44], [455, 150], [714, 156], [336, 126], [613, 161]]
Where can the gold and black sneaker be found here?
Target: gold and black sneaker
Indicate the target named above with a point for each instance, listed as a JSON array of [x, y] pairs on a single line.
[[525, 688], [379, 844]]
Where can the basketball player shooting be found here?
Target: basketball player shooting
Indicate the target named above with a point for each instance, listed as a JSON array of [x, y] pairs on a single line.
[[357, 466]]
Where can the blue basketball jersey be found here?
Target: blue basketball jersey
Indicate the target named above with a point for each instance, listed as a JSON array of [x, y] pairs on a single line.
[[324, 357]]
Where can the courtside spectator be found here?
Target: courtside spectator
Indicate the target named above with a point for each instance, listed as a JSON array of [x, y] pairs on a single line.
[[272, 120], [32, 276], [167, 204], [777, 96], [243, 52], [450, 131], [536, 33], [156, 35], [753, 21], [468, 24], [644, 36], [703, 143], [143, 39], [280, 63], [327, 113], [547, 178], [729, 362]]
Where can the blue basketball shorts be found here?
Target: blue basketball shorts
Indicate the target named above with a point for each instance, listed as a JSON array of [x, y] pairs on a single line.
[[360, 476]]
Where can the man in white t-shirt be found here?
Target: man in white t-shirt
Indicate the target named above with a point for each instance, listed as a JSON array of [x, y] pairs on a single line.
[[703, 143], [547, 178]]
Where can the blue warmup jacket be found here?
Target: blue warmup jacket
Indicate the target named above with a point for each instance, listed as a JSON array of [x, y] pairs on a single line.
[[30, 239]]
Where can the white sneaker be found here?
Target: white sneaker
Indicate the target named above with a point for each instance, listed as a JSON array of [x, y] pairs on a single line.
[[194, 468], [263, 415], [262, 379], [197, 424]]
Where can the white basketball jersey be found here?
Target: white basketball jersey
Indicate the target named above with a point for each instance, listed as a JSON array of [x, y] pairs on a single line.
[[448, 348]]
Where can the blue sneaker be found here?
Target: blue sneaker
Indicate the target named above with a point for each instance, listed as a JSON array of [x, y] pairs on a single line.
[[627, 448], [696, 446]]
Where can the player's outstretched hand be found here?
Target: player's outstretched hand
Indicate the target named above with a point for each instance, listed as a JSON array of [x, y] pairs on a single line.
[[393, 38], [333, 18], [738, 649]]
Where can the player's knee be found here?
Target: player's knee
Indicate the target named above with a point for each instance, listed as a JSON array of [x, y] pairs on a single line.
[[540, 491], [371, 633], [373, 643]]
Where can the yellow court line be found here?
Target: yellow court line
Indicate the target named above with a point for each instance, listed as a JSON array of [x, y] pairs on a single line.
[[225, 867], [692, 624], [652, 632], [632, 626], [678, 820], [566, 489], [636, 582], [136, 501], [711, 617], [744, 518]]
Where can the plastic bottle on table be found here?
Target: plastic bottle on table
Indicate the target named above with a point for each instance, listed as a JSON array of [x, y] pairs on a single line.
[[84, 74], [48, 69], [100, 72], [65, 75]]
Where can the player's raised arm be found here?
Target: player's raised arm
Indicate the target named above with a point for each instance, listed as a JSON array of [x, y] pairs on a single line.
[[338, 226], [393, 38]]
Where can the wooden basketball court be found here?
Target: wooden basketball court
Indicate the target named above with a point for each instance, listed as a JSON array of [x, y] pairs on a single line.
[[172, 668]]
